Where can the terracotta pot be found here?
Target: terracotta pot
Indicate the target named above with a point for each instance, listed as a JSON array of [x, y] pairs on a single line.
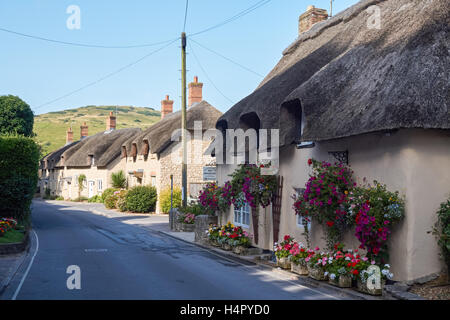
[[299, 269], [317, 274], [362, 287], [284, 263], [344, 281]]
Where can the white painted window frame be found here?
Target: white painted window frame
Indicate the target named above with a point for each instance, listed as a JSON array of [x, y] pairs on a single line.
[[244, 210]]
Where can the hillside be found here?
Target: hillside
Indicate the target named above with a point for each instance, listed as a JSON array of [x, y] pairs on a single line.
[[51, 127]]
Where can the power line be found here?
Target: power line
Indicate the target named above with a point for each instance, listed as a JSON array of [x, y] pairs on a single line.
[[207, 76], [228, 59], [235, 17], [84, 44], [185, 15], [106, 76]]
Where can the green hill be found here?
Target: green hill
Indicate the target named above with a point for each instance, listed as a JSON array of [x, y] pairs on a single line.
[[50, 128]]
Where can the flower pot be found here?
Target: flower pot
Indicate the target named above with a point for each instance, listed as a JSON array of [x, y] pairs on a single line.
[[227, 247], [362, 287], [187, 227], [299, 269], [344, 281], [284, 263], [316, 273]]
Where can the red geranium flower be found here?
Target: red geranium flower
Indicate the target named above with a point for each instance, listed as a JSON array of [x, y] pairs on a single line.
[[309, 162], [330, 223]]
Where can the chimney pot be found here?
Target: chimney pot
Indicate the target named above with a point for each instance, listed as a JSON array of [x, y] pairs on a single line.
[[111, 122], [166, 107], [83, 131], [69, 136], [311, 17], [195, 92]]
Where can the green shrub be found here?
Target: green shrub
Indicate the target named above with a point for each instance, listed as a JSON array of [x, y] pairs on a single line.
[[80, 199], [119, 180], [121, 203], [194, 208], [142, 199], [95, 199], [59, 198], [19, 164], [442, 232], [111, 201], [164, 199], [108, 192]]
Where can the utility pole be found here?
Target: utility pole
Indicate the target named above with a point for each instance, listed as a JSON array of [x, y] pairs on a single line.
[[183, 120], [331, 8]]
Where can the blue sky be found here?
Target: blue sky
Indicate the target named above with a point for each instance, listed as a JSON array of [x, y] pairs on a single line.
[[40, 71]]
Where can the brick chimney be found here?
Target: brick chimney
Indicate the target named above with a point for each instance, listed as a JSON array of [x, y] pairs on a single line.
[[311, 17], [111, 122], [195, 91], [83, 131], [69, 136], [166, 107]]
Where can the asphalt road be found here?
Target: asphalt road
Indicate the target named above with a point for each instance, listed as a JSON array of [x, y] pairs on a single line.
[[122, 261]]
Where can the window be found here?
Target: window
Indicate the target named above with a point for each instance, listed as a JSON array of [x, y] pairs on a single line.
[[242, 216], [99, 184], [302, 222], [153, 181]]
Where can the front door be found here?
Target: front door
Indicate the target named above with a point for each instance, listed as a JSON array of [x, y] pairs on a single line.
[[91, 189]]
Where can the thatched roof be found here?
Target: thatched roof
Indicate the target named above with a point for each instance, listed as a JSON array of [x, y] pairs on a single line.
[[53, 159], [159, 135], [104, 146], [350, 79]]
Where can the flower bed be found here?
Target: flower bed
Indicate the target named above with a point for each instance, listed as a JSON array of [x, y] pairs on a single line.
[[230, 237]]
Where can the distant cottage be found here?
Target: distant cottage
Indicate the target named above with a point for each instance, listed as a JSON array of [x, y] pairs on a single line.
[[144, 156]]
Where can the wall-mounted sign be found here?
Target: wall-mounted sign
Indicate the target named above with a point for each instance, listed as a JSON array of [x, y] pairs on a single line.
[[209, 173]]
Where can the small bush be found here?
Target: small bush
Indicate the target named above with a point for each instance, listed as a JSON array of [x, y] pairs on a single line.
[[95, 199], [111, 201], [142, 199], [121, 203], [164, 199], [80, 199], [442, 232], [119, 180], [194, 208], [59, 198], [108, 192]]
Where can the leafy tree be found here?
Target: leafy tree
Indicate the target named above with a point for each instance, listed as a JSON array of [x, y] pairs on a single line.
[[16, 116], [119, 180]]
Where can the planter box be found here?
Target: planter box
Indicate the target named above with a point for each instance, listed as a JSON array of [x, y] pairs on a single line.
[[342, 282], [187, 227], [214, 243], [202, 224], [299, 269], [362, 287], [317, 274], [247, 251], [284, 263], [227, 247]]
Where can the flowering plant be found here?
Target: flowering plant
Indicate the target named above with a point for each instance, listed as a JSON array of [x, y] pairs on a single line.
[[299, 253], [345, 263], [239, 237], [282, 249], [215, 198], [213, 232], [248, 183], [187, 218], [386, 274], [326, 198], [318, 260], [7, 224], [377, 211], [230, 234]]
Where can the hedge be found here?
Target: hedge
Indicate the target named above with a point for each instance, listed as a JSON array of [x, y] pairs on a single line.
[[19, 165], [141, 199], [164, 199]]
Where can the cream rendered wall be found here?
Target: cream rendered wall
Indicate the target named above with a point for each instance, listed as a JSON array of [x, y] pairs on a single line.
[[415, 162]]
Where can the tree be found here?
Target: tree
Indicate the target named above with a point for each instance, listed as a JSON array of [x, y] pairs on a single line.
[[119, 180], [16, 116]]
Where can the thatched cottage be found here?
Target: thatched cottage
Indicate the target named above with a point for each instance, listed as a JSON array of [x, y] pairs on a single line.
[[150, 155], [94, 156], [375, 96]]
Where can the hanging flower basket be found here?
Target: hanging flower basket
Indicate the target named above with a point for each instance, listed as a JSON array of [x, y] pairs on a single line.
[[284, 263], [362, 287], [344, 281], [299, 268], [316, 273]]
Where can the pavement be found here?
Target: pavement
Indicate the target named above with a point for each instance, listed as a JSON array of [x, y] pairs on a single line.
[[113, 255]]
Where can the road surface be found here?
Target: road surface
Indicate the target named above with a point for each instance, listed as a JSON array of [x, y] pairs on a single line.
[[122, 261]]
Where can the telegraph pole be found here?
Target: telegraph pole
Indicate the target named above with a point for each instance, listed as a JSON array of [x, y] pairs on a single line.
[[183, 120], [331, 8]]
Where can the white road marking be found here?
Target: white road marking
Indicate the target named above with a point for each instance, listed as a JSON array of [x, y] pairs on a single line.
[[28, 269]]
